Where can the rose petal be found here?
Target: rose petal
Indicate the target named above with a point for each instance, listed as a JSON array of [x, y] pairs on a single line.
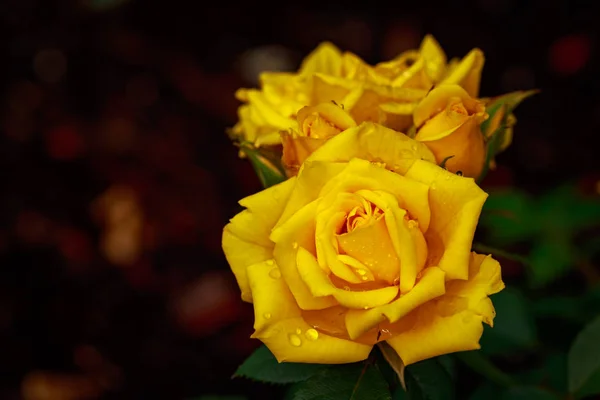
[[468, 72], [320, 285], [246, 237], [363, 175], [374, 142], [455, 204], [298, 231], [310, 180], [279, 325], [400, 235], [454, 321], [326, 59], [430, 286], [239, 255]]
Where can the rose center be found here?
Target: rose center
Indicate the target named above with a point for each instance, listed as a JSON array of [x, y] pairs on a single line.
[[365, 238]]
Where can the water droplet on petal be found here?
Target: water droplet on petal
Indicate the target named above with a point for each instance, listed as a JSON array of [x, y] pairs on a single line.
[[298, 331], [267, 315], [361, 272], [366, 307], [364, 278], [433, 186], [295, 245], [270, 262], [312, 334], [275, 273], [459, 173], [346, 287], [294, 340]]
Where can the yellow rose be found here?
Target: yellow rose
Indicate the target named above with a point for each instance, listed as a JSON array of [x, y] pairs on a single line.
[[316, 124], [371, 241], [448, 121]]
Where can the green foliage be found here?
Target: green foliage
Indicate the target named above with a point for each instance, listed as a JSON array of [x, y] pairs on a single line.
[[358, 381], [584, 361], [263, 366], [514, 327], [497, 128], [427, 380], [550, 223], [266, 164]]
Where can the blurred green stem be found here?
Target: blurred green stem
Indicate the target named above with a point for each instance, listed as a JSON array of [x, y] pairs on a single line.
[[483, 366]]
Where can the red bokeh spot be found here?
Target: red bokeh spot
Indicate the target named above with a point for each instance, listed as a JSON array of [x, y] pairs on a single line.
[[64, 143], [569, 54]]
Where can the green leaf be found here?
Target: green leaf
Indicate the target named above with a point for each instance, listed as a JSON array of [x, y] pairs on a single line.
[[549, 260], [510, 217], [552, 373], [509, 101], [486, 391], [514, 327], [266, 164], [479, 363], [263, 366], [428, 380], [218, 397], [528, 393], [358, 381], [584, 360]]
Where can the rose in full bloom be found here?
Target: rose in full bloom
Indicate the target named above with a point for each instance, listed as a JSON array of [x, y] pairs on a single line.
[[449, 121], [316, 125], [370, 242], [386, 93]]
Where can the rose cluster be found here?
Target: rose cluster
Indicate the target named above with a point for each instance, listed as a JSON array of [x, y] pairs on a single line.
[[368, 236]]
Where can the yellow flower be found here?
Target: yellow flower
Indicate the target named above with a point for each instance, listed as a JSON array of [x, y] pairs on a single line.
[[448, 122], [386, 93], [316, 124], [371, 241]]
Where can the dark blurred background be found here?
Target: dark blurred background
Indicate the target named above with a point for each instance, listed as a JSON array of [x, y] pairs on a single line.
[[116, 176]]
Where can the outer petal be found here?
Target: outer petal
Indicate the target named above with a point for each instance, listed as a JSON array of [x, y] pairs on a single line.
[[239, 255], [310, 180], [454, 321], [326, 59], [279, 325], [430, 286], [246, 237], [374, 142], [437, 336], [298, 231], [468, 72], [320, 285], [455, 204], [434, 56]]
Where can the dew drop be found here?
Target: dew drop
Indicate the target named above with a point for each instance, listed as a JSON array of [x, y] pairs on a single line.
[[270, 262], [396, 281], [312, 334], [414, 147], [346, 287], [361, 272], [459, 173], [295, 245], [364, 278], [294, 340], [298, 331], [366, 307], [433, 186], [275, 273], [267, 315]]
